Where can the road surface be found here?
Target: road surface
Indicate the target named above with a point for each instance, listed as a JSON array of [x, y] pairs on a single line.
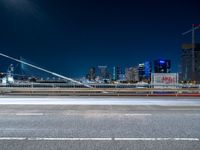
[[99, 123]]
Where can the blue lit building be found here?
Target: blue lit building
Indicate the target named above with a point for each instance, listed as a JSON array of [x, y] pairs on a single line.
[[162, 66], [148, 69], [144, 71]]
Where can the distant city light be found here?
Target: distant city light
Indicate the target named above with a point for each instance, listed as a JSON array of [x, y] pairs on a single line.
[[162, 61], [195, 25]]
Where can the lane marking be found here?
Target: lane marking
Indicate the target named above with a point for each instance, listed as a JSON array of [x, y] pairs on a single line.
[[29, 114], [138, 114], [13, 138], [106, 114], [98, 139], [70, 139], [156, 139]]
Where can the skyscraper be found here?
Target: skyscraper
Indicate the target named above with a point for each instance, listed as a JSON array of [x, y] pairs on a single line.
[[144, 70], [141, 71], [148, 70], [103, 72], [132, 74], [162, 66], [186, 62], [116, 73], [92, 74]]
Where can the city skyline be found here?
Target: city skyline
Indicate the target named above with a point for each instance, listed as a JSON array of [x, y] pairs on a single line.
[[71, 37]]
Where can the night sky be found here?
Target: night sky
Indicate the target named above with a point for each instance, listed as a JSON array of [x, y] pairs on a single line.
[[69, 37]]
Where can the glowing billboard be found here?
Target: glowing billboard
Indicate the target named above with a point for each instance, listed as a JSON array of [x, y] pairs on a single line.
[[164, 80]]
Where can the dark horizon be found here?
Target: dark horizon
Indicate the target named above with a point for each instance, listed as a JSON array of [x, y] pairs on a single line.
[[70, 37]]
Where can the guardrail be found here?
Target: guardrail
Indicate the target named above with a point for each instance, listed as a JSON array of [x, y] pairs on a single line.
[[102, 91], [115, 86]]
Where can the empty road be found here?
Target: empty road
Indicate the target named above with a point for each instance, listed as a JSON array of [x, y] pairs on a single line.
[[99, 123]]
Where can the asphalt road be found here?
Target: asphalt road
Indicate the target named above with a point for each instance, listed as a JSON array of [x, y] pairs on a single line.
[[75, 127]]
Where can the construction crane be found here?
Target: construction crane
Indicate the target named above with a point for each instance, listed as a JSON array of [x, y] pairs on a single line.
[[47, 71], [194, 27]]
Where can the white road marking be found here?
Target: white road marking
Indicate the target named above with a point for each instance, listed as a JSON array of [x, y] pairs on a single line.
[[29, 114], [98, 139], [138, 114], [70, 139], [156, 139], [13, 138]]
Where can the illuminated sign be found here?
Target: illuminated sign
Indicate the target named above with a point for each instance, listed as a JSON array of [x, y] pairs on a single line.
[[164, 79]]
